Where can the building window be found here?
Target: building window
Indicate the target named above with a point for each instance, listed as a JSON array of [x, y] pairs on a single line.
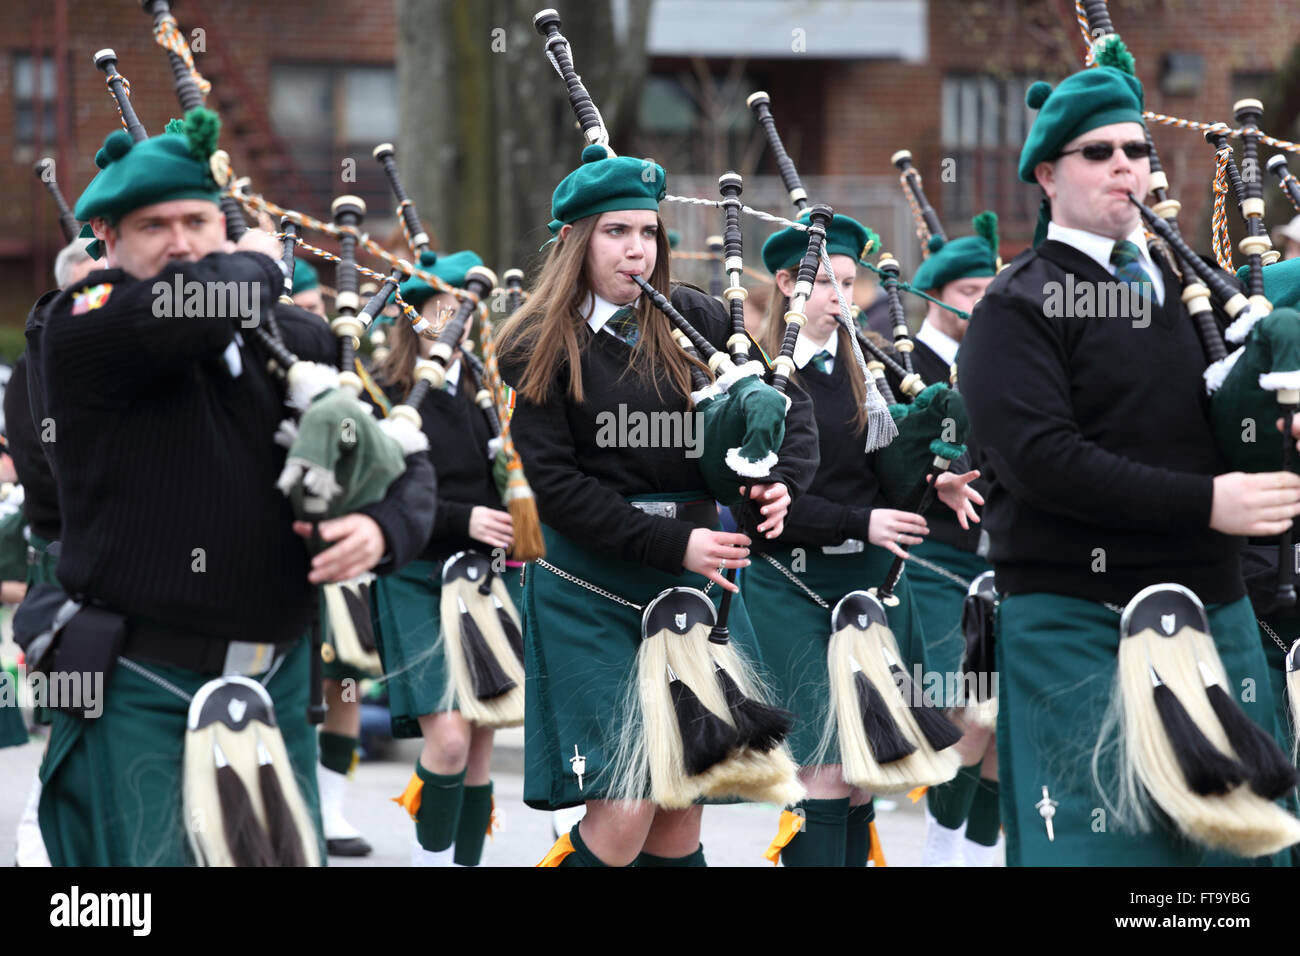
[[984, 124], [331, 113], [34, 92], [693, 119]]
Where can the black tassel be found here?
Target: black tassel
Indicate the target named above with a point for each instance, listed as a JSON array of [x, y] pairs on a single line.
[[757, 724], [883, 734], [1206, 769], [512, 633], [938, 730], [1271, 774], [706, 738], [248, 842], [286, 841], [358, 605], [486, 675]]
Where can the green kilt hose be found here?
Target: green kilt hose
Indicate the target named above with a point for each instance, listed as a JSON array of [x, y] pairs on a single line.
[[579, 654], [794, 631], [1057, 659], [112, 785], [408, 621], [938, 599]]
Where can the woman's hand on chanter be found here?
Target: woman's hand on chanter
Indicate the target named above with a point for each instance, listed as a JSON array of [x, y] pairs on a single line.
[[890, 529], [707, 551], [775, 504]]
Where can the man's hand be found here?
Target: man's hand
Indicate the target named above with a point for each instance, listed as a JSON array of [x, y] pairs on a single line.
[[357, 545], [1256, 505], [255, 240]]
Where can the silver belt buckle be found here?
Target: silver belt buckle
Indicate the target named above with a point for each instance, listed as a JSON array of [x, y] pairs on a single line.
[[660, 509], [245, 659], [847, 546]]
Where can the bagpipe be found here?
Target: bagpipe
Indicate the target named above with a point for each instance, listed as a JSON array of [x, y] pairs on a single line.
[[44, 170], [699, 723], [481, 636], [1187, 745]]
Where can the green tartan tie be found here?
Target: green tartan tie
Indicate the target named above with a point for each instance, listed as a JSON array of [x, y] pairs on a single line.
[[821, 361], [623, 324], [1127, 260]]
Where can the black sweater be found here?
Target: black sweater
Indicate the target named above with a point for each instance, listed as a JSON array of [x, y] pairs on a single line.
[[40, 496], [458, 433], [581, 486], [838, 503], [160, 452], [1095, 441]]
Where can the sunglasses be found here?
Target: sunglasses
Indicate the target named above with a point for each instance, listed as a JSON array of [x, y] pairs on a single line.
[[1100, 152]]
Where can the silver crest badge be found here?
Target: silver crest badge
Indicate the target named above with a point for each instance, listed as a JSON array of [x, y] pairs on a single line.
[[236, 708], [680, 621], [862, 621], [1167, 622]]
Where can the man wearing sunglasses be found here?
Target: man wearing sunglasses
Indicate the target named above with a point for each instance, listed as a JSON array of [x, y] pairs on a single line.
[[1103, 476]]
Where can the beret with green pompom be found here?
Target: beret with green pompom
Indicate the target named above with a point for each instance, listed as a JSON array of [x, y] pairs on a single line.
[[174, 165], [1107, 93], [305, 277], [845, 237], [451, 268], [605, 183], [970, 257]]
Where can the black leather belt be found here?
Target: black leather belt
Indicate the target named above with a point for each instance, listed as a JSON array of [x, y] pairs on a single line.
[[151, 643]]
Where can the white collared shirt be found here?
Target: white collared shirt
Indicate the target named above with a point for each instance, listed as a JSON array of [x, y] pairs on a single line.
[[453, 377], [599, 311], [804, 350], [1098, 248], [942, 344]]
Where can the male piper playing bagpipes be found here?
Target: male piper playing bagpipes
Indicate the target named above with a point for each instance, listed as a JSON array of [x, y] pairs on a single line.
[[1104, 482], [182, 552]]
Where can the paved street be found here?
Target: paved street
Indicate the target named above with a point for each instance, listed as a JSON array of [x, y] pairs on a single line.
[[733, 835]]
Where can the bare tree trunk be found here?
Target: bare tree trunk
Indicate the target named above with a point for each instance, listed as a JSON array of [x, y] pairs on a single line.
[[425, 90]]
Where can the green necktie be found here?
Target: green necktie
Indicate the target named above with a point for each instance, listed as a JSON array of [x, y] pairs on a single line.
[[1127, 260], [623, 324], [821, 361]]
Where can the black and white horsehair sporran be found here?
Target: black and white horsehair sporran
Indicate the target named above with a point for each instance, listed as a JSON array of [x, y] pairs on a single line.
[[241, 799], [481, 643]]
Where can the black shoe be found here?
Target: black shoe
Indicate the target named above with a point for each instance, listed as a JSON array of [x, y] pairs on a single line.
[[348, 846]]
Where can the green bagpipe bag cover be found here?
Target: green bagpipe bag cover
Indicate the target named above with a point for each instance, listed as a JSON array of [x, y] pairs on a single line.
[[933, 425], [743, 422], [1244, 408], [339, 455]]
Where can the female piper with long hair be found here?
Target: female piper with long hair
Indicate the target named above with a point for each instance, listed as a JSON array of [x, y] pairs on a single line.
[[625, 513], [838, 538], [450, 793]]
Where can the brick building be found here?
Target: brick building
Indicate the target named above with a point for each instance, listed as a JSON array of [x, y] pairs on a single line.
[[304, 84]]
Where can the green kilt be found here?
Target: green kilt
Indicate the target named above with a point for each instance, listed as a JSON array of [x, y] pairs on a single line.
[[1057, 660], [938, 599], [112, 785], [793, 630], [579, 650], [13, 728], [40, 563], [406, 607]]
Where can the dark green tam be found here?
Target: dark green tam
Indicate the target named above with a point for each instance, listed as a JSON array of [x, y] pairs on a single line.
[[846, 237], [969, 257], [174, 165], [1281, 283], [451, 268], [1083, 101], [305, 277], [604, 183]]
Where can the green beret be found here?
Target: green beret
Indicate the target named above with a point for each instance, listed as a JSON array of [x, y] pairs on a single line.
[[604, 183], [1281, 283], [970, 257], [161, 169], [305, 277], [1108, 93], [674, 238], [845, 237], [450, 268]]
